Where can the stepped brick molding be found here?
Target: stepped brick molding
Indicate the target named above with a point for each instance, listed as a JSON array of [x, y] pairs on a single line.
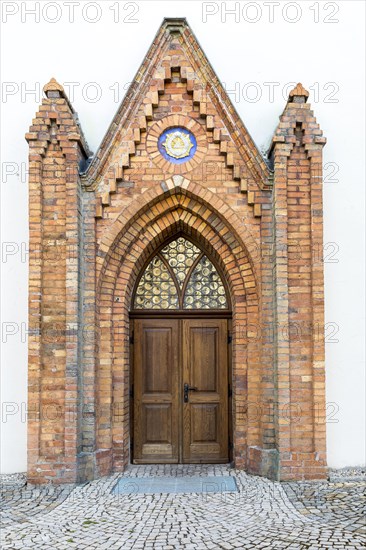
[[95, 220]]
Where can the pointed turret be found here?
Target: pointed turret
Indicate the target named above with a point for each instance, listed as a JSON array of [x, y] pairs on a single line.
[[57, 149], [296, 153], [298, 94], [53, 86]]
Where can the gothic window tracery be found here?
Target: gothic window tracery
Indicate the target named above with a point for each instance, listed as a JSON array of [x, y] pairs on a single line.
[[180, 276]]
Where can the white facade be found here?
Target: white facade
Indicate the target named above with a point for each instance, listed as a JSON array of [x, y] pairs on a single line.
[[259, 50]]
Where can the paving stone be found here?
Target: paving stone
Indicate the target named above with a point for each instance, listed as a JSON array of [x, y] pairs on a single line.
[[263, 514]]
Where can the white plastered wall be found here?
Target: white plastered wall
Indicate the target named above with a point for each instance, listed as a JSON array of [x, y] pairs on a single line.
[[258, 51]]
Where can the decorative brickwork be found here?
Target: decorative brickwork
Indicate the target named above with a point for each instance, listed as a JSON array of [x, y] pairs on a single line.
[[94, 226]]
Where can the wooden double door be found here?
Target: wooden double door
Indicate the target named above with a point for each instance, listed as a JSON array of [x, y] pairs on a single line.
[[180, 411]]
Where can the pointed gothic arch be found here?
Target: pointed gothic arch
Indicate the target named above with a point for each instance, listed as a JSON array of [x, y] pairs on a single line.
[[180, 276], [185, 190], [158, 221]]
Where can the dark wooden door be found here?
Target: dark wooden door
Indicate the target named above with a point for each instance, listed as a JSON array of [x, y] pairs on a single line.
[[180, 391]]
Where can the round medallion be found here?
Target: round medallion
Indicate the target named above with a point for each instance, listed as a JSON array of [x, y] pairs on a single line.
[[177, 145]]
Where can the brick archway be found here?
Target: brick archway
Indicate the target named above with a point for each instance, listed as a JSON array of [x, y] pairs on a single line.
[[163, 216], [177, 185]]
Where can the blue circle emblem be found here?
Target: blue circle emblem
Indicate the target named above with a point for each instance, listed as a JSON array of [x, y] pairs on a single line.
[[177, 145]]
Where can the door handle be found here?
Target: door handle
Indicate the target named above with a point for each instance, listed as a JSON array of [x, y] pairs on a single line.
[[188, 388]]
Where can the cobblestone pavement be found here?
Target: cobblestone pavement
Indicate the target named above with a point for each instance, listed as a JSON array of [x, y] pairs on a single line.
[[263, 514]]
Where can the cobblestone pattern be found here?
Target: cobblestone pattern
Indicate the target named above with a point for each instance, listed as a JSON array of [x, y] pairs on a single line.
[[263, 514], [20, 502], [337, 504], [347, 474]]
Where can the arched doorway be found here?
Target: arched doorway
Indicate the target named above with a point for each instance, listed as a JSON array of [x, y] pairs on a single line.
[[180, 358], [140, 231]]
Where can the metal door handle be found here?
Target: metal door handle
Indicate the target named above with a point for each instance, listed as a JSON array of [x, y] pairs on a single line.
[[188, 388]]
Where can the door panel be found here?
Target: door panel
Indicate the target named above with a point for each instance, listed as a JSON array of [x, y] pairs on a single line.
[[156, 410], [205, 413], [171, 425]]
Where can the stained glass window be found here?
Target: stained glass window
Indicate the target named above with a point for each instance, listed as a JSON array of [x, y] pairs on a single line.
[[180, 276]]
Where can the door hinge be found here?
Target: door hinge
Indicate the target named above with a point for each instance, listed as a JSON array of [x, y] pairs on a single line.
[[231, 446], [132, 338], [230, 391], [132, 393], [229, 338], [131, 443]]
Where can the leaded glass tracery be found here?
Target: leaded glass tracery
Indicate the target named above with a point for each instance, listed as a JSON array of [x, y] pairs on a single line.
[[156, 288], [180, 276], [205, 289], [180, 255]]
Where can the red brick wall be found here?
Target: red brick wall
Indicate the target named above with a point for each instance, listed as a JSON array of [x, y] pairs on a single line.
[[106, 223]]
